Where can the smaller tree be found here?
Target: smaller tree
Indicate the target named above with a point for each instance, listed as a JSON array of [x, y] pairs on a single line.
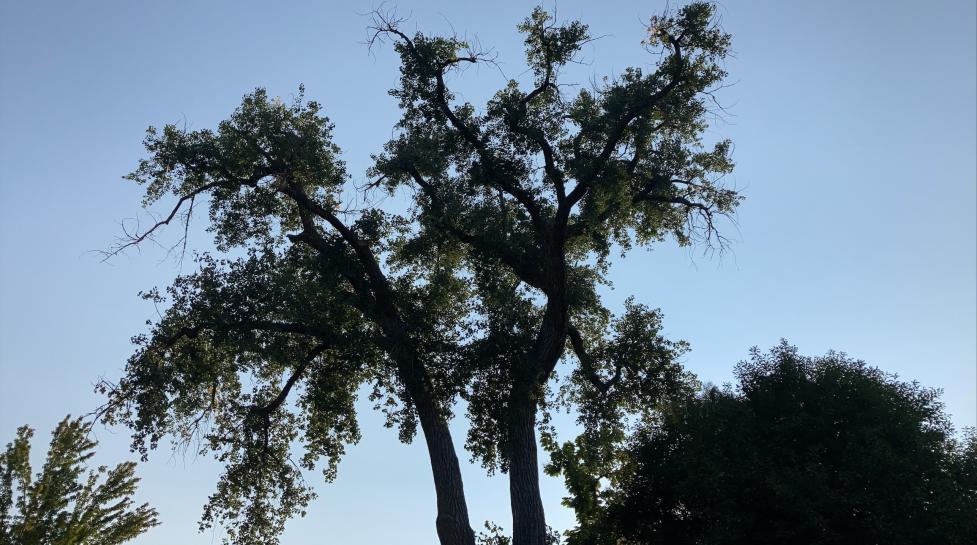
[[61, 505], [806, 451]]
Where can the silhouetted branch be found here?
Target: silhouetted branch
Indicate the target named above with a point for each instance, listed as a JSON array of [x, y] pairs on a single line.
[[386, 24], [136, 238], [619, 129]]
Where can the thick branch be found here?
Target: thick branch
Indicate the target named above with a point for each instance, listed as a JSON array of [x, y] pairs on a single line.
[[549, 155], [620, 128], [526, 273], [587, 363], [512, 187], [296, 374], [378, 281]]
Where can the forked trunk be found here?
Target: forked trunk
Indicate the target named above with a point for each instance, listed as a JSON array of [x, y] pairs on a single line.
[[528, 517]]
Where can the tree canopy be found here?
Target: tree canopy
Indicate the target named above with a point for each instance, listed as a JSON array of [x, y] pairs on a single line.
[[61, 505], [477, 292], [804, 450]]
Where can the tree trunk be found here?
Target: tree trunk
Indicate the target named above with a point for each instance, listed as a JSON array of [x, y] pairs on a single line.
[[528, 518], [452, 523]]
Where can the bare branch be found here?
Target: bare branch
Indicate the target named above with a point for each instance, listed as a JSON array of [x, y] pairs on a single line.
[[706, 212], [137, 238]]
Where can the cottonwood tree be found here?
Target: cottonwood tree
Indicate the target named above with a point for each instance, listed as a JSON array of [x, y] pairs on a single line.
[[61, 505], [476, 292]]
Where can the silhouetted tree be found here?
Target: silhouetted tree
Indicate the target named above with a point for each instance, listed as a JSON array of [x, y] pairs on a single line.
[[472, 293], [806, 450], [61, 505]]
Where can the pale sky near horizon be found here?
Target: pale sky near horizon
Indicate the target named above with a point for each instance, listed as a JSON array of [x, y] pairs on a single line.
[[855, 126]]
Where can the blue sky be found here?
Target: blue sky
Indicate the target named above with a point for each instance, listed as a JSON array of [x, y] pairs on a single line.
[[854, 126]]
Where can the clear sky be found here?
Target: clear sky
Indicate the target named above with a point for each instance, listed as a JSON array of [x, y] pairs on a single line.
[[854, 125]]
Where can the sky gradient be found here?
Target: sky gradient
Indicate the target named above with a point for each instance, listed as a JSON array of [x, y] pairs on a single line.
[[854, 131]]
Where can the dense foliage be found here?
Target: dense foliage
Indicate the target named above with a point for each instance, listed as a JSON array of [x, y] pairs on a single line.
[[805, 450], [476, 292], [61, 505]]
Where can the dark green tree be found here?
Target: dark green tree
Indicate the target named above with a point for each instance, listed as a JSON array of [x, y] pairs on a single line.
[[475, 292], [61, 505], [805, 450]]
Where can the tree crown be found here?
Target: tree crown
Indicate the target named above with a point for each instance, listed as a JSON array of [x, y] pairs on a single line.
[[803, 450], [471, 293]]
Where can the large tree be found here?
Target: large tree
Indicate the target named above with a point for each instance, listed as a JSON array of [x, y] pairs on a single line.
[[475, 292], [820, 451], [65, 503]]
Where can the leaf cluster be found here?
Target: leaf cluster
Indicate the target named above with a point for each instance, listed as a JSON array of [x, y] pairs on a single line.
[[65, 503]]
